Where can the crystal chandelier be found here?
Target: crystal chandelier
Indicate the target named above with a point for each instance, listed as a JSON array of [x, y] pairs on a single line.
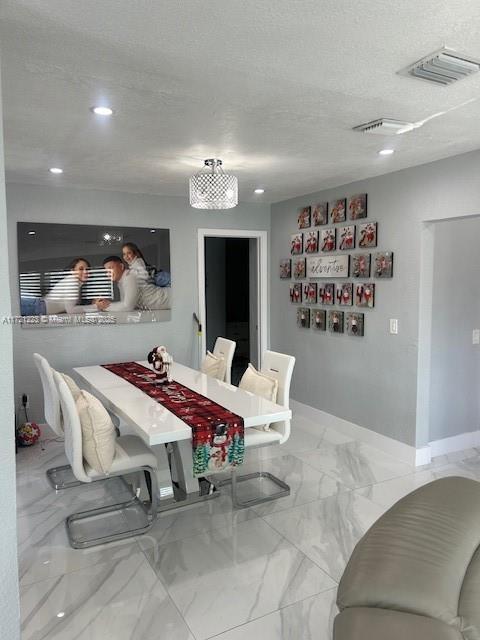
[[212, 188]]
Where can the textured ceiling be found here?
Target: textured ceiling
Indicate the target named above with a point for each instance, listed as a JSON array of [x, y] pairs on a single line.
[[273, 87]]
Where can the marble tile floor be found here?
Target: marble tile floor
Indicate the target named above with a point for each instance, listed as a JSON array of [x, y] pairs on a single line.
[[208, 571]]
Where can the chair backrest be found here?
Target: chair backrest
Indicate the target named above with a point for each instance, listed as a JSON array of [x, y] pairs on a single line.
[[51, 401], [72, 429], [225, 348], [280, 366]]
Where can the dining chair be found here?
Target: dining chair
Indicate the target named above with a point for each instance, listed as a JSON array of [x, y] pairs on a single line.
[[279, 366], [59, 477], [225, 349], [132, 455]]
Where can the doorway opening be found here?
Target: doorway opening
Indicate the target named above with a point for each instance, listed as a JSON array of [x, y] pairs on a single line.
[[232, 282]]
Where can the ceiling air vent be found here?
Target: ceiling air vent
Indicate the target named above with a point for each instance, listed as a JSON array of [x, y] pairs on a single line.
[[443, 67], [385, 127]]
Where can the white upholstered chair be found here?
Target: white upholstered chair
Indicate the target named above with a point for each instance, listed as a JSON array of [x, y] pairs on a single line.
[[59, 477], [278, 366], [132, 455], [225, 349]]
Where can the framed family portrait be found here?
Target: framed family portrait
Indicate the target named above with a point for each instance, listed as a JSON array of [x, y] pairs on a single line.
[[355, 324], [320, 214], [383, 264], [345, 294], [361, 265], [367, 234], [346, 237], [335, 321], [304, 217], [326, 293], [299, 268], [296, 244], [296, 292], [318, 319], [328, 239], [285, 268], [365, 294], [310, 292], [311, 241], [303, 317], [338, 210], [357, 206]]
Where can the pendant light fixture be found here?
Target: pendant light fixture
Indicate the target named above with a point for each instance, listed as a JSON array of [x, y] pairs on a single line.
[[212, 188]]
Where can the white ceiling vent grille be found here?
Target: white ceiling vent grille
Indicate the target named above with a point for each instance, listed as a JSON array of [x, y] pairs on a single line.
[[445, 66], [385, 127]]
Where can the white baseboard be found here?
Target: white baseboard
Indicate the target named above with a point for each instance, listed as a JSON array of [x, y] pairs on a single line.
[[399, 450], [395, 448], [455, 443]]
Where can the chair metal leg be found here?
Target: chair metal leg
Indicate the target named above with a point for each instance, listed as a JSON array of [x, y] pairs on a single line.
[[62, 477], [82, 542], [243, 504]]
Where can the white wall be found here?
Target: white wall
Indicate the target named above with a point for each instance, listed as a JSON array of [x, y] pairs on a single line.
[[9, 607], [66, 347], [373, 381], [455, 381]]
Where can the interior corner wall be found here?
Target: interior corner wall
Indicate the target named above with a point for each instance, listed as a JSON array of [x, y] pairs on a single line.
[[9, 600], [455, 380], [67, 347], [372, 381]]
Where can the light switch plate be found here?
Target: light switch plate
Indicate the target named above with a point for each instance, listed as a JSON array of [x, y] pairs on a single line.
[[393, 326], [476, 336]]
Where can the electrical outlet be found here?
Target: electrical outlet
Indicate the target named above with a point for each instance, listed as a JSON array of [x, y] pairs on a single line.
[[25, 400], [393, 325], [476, 336]]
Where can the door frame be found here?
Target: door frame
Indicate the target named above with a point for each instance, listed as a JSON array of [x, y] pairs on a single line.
[[262, 289]]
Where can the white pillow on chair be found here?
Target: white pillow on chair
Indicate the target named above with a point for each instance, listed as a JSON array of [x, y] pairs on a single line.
[[98, 432], [72, 385], [214, 366], [260, 385]]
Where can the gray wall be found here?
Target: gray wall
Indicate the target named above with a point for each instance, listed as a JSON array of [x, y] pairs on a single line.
[[373, 381], [455, 381], [9, 607], [66, 347]]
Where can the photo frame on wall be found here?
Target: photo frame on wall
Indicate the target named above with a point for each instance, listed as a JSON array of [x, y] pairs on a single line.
[[345, 294], [346, 237], [383, 264], [310, 292], [311, 241], [326, 293], [320, 214], [299, 268], [361, 265], [303, 318], [355, 324], [357, 206], [365, 294], [338, 210], [318, 319], [335, 321], [328, 240], [304, 217], [367, 234], [285, 268], [296, 292], [296, 244]]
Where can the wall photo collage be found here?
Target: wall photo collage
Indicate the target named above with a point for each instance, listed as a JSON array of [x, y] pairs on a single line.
[[320, 254]]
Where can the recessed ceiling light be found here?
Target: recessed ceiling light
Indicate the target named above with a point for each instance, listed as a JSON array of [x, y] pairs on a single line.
[[386, 152], [152, 230], [60, 614], [102, 111], [32, 233], [259, 191], [56, 170]]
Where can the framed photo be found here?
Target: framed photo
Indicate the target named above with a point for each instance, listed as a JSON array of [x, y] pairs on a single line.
[[318, 319], [346, 237], [365, 294], [383, 264], [320, 214], [296, 245], [303, 317], [296, 292], [304, 217], [311, 241], [367, 234], [345, 294], [335, 321], [338, 210], [357, 206], [310, 292], [355, 324], [285, 268], [299, 268], [326, 293], [361, 265], [328, 239]]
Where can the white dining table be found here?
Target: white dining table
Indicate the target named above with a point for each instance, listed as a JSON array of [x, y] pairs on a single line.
[[156, 425]]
